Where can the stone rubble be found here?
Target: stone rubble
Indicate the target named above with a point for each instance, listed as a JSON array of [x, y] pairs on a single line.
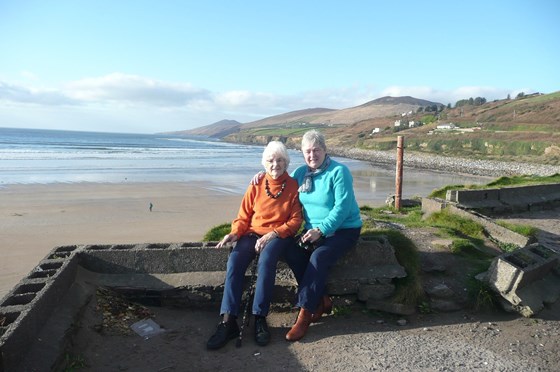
[[489, 168]]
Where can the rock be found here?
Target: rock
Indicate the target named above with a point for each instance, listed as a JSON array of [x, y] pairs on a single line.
[[441, 291], [445, 305], [388, 307]]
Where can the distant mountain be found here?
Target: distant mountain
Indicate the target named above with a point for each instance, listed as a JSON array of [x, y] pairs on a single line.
[[381, 107], [526, 128], [407, 100], [289, 117], [219, 129]]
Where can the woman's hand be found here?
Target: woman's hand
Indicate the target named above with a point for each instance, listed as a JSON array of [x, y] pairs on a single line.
[[229, 238], [257, 178], [263, 241], [311, 236]]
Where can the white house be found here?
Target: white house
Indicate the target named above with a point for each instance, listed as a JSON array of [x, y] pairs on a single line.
[[446, 126], [397, 123], [375, 130]]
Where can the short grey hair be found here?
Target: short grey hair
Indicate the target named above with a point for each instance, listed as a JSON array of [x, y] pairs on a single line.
[[314, 137], [275, 148]]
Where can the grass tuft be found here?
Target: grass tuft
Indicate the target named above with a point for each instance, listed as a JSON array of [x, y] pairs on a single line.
[[217, 233]]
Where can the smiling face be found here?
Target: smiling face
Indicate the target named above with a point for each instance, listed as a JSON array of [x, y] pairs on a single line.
[[313, 154], [275, 165], [275, 159]]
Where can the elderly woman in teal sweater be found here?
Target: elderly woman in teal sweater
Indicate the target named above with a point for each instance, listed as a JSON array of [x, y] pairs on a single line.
[[332, 227]]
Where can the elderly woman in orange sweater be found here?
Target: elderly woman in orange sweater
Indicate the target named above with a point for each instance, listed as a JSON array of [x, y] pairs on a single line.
[[269, 216]]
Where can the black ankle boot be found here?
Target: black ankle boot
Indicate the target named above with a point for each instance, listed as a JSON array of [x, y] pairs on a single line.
[[262, 334], [226, 331]]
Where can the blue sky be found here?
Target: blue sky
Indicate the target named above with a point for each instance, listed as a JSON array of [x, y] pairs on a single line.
[[153, 66]]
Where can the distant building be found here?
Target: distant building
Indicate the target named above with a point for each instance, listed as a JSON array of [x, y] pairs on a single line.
[[447, 126], [397, 123], [375, 130]]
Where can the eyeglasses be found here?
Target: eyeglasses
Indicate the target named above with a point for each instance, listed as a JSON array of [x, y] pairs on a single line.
[[279, 160]]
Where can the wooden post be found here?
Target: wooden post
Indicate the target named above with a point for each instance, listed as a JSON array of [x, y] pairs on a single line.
[[398, 178]]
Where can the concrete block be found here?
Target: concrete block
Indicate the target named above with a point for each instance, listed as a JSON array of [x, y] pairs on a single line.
[[515, 276], [432, 205]]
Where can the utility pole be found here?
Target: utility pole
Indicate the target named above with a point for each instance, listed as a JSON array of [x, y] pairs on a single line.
[[398, 178]]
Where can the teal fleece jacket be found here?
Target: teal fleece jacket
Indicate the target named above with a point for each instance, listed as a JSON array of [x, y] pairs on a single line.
[[331, 203]]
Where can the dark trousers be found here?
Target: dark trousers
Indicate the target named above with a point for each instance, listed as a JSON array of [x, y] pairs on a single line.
[[311, 270], [238, 262]]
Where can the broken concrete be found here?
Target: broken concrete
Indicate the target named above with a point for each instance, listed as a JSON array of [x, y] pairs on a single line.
[[37, 315], [528, 278]]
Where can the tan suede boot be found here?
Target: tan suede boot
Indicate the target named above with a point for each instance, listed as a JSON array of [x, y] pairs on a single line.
[[325, 307], [300, 327]]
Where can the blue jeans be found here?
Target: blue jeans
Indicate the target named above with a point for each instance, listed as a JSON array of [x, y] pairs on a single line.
[[238, 262], [311, 270]]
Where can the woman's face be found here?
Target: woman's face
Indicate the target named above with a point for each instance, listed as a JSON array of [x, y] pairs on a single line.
[[275, 166], [313, 154]]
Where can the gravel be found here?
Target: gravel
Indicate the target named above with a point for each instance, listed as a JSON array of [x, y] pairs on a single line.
[[489, 168]]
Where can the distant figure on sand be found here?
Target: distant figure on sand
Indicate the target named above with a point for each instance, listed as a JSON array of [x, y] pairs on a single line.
[[151, 206]]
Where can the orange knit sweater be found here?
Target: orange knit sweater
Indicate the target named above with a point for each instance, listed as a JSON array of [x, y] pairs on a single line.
[[260, 214]]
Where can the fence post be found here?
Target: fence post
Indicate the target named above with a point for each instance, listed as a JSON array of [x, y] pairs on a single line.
[[398, 178]]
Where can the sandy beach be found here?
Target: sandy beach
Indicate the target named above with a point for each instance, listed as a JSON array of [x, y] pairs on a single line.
[[36, 218]]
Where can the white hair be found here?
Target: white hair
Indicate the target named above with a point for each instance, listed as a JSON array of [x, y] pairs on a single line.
[[314, 137], [275, 148]]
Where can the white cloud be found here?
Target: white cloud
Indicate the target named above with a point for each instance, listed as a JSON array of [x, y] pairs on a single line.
[[132, 89], [136, 101], [20, 94]]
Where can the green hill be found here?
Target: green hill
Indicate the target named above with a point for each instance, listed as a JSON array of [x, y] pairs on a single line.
[[523, 129]]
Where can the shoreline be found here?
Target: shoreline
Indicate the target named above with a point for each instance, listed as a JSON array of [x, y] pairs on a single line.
[[455, 165]]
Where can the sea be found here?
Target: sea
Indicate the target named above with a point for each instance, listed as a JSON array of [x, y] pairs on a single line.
[[38, 156]]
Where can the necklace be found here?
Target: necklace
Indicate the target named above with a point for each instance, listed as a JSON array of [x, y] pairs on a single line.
[[267, 188]]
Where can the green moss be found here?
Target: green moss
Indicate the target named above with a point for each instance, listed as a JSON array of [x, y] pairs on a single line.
[[217, 233], [525, 230]]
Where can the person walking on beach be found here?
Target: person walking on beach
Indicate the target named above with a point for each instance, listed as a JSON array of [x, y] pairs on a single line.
[[269, 216], [151, 206], [332, 227]]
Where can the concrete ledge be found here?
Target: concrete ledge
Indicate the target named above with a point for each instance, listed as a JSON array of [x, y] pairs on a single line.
[[495, 231], [36, 316], [507, 199]]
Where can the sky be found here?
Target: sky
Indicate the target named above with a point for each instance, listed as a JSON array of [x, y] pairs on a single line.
[[144, 66]]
